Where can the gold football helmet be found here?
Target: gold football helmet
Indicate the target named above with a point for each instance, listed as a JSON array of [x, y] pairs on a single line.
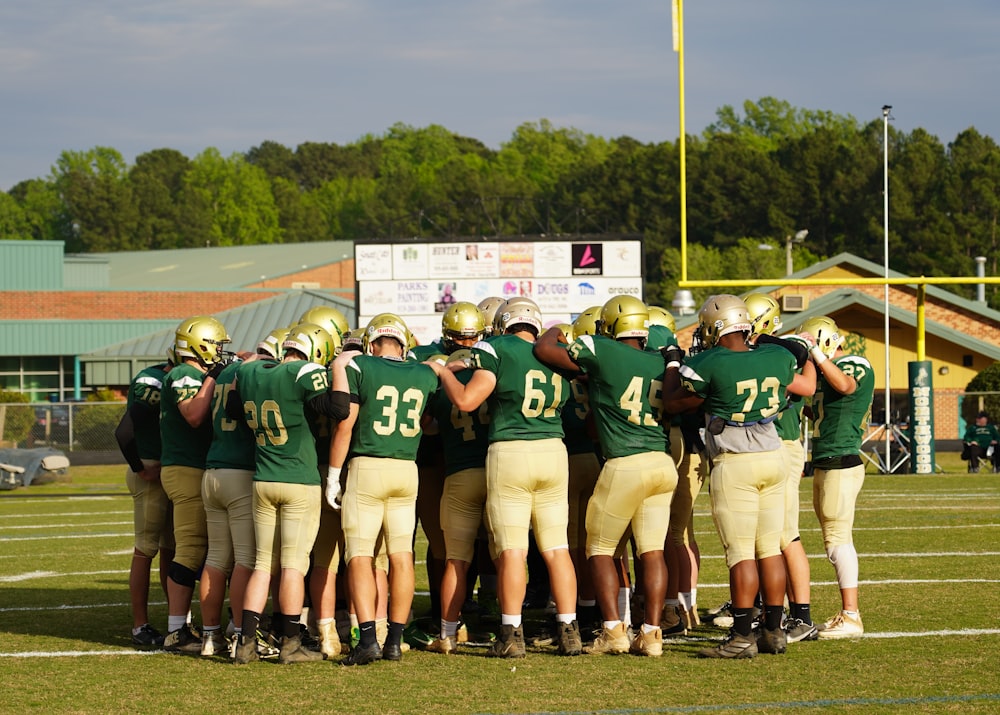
[[661, 316], [313, 341], [721, 315], [825, 333], [202, 338], [624, 316], [462, 321], [586, 322], [354, 340], [388, 325], [517, 311], [488, 307], [271, 343], [328, 318], [567, 331], [765, 313]]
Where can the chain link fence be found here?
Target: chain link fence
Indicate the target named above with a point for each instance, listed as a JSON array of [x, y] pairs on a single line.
[[81, 429]]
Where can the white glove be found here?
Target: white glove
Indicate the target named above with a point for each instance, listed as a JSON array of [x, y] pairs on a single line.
[[333, 487]]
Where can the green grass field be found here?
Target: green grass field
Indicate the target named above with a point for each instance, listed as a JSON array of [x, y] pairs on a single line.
[[930, 570]]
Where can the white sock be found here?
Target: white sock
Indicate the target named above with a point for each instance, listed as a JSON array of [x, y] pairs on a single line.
[[508, 619], [682, 598], [449, 629], [323, 621], [646, 628], [611, 625], [693, 600], [209, 629], [175, 623], [565, 617], [625, 604]]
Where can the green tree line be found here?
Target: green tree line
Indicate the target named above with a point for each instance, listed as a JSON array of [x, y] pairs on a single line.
[[753, 177]]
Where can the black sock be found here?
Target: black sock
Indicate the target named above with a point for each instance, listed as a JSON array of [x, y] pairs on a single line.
[[291, 625], [395, 633], [772, 617], [742, 622], [250, 623], [367, 631], [277, 626], [800, 611]]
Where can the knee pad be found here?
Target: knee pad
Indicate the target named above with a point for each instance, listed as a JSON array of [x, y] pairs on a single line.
[[182, 575], [845, 562]]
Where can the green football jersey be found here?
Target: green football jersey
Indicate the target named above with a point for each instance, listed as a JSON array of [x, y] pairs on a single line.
[[144, 394], [660, 336], [392, 396], [741, 387], [626, 389], [789, 422], [232, 440], [274, 401], [464, 435], [425, 352], [183, 445], [528, 398], [840, 420]]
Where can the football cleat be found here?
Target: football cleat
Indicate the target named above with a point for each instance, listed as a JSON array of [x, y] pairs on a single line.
[[147, 637], [734, 646], [843, 625], [443, 645], [610, 641], [214, 643], [771, 641], [293, 651], [363, 655], [509, 643], [647, 644], [798, 630], [184, 641], [569, 639]]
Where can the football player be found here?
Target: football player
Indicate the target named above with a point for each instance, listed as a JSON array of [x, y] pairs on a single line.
[[765, 316], [637, 481], [328, 318], [286, 488], [841, 410], [525, 401], [138, 436], [741, 392], [186, 434], [227, 491], [382, 432]]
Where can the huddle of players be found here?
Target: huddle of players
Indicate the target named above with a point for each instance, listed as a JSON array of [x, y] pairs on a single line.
[[501, 398]]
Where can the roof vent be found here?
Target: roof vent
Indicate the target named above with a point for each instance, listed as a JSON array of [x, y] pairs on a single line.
[[793, 303], [305, 285]]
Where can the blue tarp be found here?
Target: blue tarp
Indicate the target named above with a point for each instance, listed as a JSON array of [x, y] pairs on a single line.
[[31, 460]]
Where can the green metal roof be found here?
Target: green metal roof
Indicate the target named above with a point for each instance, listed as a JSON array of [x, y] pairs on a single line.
[[31, 265], [246, 326], [70, 337], [218, 266], [842, 299]]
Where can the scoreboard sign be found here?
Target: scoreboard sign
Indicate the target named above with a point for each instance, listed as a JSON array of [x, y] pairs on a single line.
[[418, 281]]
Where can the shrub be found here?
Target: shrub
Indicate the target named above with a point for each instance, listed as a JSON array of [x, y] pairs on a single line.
[[15, 421], [94, 425]]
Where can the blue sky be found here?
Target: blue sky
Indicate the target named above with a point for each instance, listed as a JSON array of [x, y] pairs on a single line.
[[138, 75]]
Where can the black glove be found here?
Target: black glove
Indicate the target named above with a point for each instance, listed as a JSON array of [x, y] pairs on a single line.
[[215, 370], [800, 351], [672, 353]]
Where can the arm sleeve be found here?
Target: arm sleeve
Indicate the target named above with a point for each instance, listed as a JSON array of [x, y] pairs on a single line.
[[335, 405], [125, 436], [801, 352], [234, 406]]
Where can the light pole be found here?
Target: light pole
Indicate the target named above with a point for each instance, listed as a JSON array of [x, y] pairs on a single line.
[[799, 237], [885, 226]]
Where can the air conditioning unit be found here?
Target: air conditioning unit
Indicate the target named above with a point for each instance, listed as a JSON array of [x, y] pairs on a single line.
[[305, 285], [793, 303]]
